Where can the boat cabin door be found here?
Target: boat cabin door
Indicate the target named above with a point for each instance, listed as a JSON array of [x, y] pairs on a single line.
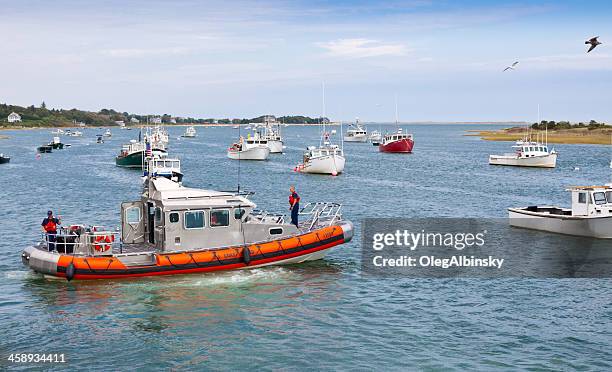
[[580, 202], [132, 222]]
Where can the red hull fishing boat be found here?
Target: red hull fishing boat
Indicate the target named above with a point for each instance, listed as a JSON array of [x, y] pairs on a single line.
[[398, 142]]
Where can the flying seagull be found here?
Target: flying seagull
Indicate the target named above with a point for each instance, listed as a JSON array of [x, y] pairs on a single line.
[[594, 42], [511, 67]]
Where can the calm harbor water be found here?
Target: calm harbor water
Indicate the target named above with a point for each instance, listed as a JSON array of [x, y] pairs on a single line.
[[323, 314]]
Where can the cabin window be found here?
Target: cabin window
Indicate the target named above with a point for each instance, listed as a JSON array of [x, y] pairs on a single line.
[[276, 231], [238, 213], [599, 198], [174, 217], [609, 196], [582, 198], [545, 149], [194, 220], [132, 215], [219, 218], [158, 214]]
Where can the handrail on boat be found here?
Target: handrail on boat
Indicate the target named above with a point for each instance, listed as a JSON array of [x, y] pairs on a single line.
[[82, 241]]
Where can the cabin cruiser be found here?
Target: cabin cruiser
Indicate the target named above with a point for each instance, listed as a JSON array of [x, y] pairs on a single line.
[[190, 132], [272, 134], [253, 148], [398, 142], [356, 133], [57, 131], [108, 133], [173, 229], [375, 138], [56, 144], [590, 214], [153, 143], [169, 168], [326, 159], [4, 159], [527, 154]]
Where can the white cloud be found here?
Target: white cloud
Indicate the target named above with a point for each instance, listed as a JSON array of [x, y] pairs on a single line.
[[362, 48]]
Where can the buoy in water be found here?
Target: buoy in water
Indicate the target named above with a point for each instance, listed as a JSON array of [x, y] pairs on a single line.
[[334, 173]]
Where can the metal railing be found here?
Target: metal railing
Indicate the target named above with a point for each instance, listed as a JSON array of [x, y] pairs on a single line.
[[320, 214], [81, 241]]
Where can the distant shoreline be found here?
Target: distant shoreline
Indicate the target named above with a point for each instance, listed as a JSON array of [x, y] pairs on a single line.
[[25, 127], [582, 136]]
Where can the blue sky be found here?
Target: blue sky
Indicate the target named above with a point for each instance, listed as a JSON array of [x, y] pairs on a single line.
[[443, 59]]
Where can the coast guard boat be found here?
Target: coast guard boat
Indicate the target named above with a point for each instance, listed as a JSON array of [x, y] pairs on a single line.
[[173, 229]]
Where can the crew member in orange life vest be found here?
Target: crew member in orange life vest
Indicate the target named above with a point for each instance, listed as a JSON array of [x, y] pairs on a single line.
[[49, 226], [294, 205]]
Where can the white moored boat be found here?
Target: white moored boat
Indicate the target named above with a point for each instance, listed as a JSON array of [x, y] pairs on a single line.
[[376, 138], [326, 159], [527, 154], [272, 133], [190, 132], [108, 133], [356, 133], [589, 216], [251, 149]]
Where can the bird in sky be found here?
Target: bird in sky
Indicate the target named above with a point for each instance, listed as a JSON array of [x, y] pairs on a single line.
[[511, 67], [594, 42]]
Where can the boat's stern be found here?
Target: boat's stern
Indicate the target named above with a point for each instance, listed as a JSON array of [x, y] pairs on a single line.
[[40, 261]]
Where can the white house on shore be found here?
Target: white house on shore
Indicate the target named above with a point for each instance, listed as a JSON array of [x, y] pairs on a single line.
[[14, 118], [133, 120], [156, 120]]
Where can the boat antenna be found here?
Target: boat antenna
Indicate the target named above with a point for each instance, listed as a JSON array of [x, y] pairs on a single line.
[[239, 137], [323, 112]]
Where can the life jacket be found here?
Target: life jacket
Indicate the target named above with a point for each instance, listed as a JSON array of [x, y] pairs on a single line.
[[293, 199], [50, 225]]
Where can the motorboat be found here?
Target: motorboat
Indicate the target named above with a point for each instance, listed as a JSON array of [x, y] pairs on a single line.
[[327, 158], [527, 154], [58, 131], [590, 214], [375, 138], [134, 153], [356, 133], [76, 133], [190, 132], [4, 159], [99, 138], [169, 168], [398, 141], [45, 149], [108, 133], [56, 143], [272, 134], [172, 229], [253, 148]]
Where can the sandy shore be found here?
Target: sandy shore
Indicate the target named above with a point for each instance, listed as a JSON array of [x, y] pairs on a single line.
[[565, 136]]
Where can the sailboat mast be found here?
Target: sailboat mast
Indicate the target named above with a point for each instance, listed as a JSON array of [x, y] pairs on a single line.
[[396, 115]]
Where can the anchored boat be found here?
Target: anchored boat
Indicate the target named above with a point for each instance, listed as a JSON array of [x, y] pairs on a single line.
[[590, 214], [375, 138], [527, 154], [253, 148], [4, 159], [190, 132], [174, 229], [272, 134], [356, 133], [398, 142]]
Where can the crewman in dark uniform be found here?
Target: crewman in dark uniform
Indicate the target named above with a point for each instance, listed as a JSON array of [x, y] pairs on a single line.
[[294, 205], [49, 227]]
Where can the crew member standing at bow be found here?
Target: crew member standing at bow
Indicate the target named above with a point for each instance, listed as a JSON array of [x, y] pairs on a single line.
[[49, 227], [294, 205]]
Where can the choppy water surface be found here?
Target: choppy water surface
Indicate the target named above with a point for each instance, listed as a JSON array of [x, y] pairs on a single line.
[[323, 314]]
